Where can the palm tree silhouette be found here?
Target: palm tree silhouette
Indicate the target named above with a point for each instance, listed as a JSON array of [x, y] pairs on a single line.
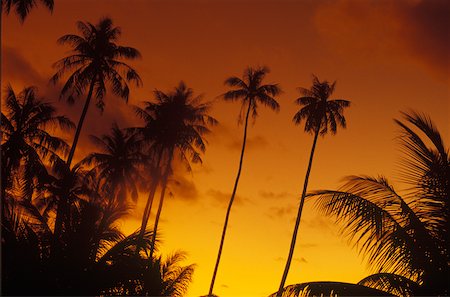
[[23, 7], [117, 164], [405, 237], [174, 125], [320, 114], [165, 277], [96, 61], [251, 92], [25, 141]]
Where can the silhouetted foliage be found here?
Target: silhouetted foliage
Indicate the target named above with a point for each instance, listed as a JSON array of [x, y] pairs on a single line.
[[405, 237], [23, 7]]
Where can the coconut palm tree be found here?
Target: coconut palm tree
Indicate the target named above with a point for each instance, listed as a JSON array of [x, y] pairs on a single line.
[[117, 165], [320, 114], [251, 92], [405, 237], [23, 7], [95, 62], [25, 125], [175, 125]]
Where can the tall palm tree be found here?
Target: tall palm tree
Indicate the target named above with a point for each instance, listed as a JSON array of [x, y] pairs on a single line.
[[320, 114], [174, 125], [23, 7], [117, 164], [251, 92], [405, 237], [25, 140], [96, 61]]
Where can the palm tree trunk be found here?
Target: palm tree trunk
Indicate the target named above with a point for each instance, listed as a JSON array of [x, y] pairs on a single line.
[[148, 206], [62, 204], [299, 215], [81, 121], [222, 240], [161, 201]]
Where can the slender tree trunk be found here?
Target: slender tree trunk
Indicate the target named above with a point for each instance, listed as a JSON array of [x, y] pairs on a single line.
[[62, 204], [299, 215], [80, 122], [222, 240], [148, 206], [161, 201]]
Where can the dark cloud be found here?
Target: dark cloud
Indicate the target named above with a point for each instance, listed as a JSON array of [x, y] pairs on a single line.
[[385, 29], [426, 32]]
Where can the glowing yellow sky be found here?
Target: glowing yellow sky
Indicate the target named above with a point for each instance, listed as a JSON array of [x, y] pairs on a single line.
[[386, 56]]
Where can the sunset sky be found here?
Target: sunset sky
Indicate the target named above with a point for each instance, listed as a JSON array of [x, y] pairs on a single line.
[[386, 56]]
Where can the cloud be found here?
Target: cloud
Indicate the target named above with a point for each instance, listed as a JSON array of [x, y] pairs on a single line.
[[275, 196], [281, 211], [183, 188], [384, 29], [16, 68], [222, 198], [254, 142], [298, 260]]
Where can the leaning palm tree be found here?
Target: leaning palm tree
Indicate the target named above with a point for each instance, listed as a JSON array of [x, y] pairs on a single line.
[[174, 125], [251, 92], [96, 61], [25, 140], [320, 114], [23, 7], [405, 237], [117, 164]]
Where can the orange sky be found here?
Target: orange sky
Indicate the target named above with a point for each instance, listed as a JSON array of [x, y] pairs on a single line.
[[386, 56]]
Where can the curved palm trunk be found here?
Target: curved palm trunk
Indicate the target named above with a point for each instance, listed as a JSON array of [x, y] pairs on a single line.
[[148, 206], [299, 215], [222, 240], [62, 204], [161, 201]]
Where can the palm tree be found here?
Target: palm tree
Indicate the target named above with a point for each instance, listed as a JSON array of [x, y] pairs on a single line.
[[25, 140], [117, 165], [94, 63], [320, 114], [23, 7], [174, 125], [251, 92], [405, 237]]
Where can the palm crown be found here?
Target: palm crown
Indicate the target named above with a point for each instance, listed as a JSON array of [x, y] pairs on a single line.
[[176, 121], [251, 92], [319, 112], [96, 61]]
